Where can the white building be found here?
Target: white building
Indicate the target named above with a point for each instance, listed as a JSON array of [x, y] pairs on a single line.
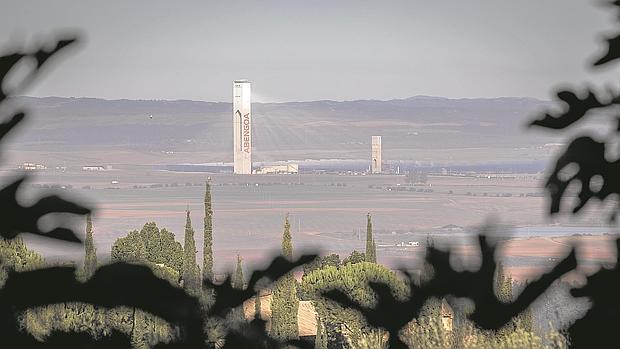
[[93, 168], [279, 169], [242, 127], [31, 166], [375, 156]]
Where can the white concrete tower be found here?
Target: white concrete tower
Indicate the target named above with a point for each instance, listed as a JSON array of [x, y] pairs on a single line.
[[242, 127], [375, 156]]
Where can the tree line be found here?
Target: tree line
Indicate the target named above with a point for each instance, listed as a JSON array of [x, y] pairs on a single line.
[[337, 326]]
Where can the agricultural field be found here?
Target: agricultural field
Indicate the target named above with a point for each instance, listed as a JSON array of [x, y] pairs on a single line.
[[327, 212]]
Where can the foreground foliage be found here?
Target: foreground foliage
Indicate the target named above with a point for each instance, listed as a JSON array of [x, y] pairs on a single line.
[[381, 309]]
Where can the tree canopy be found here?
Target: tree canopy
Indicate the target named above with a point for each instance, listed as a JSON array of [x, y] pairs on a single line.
[[150, 244]]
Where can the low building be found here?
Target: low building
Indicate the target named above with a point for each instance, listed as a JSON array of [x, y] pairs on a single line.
[[306, 314], [93, 168], [279, 169], [31, 166]]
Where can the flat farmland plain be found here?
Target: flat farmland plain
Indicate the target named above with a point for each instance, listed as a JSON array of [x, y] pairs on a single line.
[[327, 213]]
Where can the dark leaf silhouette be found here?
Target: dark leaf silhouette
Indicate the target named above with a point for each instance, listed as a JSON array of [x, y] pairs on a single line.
[[21, 219], [597, 329], [392, 314], [63, 340], [576, 108], [613, 44], [254, 336], [41, 56], [122, 284], [589, 156], [17, 218], [118, 284], [613, 51], [229, 297], [6, 127]]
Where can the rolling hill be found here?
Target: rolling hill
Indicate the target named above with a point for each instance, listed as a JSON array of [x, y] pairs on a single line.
[[417, 128]]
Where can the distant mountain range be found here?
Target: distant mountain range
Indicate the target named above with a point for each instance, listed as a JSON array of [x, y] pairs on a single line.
[[418, 128]]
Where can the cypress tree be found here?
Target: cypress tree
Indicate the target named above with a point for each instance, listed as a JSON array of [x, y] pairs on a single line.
[[90, 256], [190, 269], [238, 283], [320, 340], [207, 253], [371, 250], [374, 251], [137, 335], [285, 302], [287, 240]]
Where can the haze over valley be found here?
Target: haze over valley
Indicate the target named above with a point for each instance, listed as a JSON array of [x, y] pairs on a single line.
[[480, 161], [423, 129]]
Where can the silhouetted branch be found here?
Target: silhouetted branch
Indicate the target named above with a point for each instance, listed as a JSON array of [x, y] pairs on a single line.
[[613, 44], [589, 156], [228, 297], [114, 285], [7, 126], [41, 56], [19, 219], [392, 314], [598, 328], [253, 335], [576, 108]]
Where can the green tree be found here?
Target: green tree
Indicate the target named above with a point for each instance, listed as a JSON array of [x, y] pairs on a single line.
[[166, 273], [147, 329], [285, 303], [149, 245], [90, 255], [149, 234], [14, 255], [351, 279], [503, 284], [130, 249], [504, 288], [40, 321], [330, 260], [371, 250], [161, 247], [207, 252], [238, 282], [190, 269], [171, 251], [355, 257], [287, 240], [320, 340]]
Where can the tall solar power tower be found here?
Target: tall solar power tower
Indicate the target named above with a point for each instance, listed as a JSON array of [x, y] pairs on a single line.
[[375, 155], [242, 127]]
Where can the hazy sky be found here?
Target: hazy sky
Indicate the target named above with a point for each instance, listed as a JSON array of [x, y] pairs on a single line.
[[309, 50]]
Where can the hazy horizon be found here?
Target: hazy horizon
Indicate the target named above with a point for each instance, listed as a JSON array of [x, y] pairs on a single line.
[[292, 101], [297, 51]]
